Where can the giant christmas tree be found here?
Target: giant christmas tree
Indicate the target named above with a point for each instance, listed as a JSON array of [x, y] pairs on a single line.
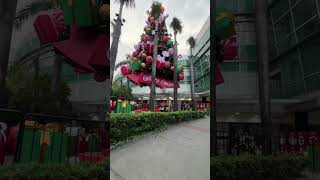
[[140, 66]]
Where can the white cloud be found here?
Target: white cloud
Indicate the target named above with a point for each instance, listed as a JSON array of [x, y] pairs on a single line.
[[193, 15]]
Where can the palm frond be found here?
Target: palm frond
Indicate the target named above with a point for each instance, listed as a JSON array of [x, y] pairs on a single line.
[[191, 41], [127, 3], [176, 25], [33, 8], [122, 63], [156, 9]]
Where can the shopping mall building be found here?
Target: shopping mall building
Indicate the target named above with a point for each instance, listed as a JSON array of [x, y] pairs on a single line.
[[294, 68]]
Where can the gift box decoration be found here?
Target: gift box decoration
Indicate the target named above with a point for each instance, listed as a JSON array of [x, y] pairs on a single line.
[[230, 48], [45, 28]]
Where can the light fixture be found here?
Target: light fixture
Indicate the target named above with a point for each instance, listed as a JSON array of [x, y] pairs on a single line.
[[237, 113]]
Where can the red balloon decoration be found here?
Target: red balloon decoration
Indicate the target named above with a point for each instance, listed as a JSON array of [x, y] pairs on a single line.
[[125, 70], [134, 54], [167, 64], [149, 59], [146, 38], [181, 77], [162, 9], [149, 48], [165, 39]]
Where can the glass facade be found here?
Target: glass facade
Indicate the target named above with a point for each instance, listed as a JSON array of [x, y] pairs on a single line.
[[201, 61], [295, 41], [240, 73]]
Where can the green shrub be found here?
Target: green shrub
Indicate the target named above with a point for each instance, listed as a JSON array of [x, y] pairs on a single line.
[[124, 126], [36, 171], [257, 167]]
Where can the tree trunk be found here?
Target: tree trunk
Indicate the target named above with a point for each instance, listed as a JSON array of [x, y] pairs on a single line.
[[193, 102], [213, 55], [7, 14], [56, 77], [175, 75], [115, 43], [36, 67], [263, 71], [154, 70]]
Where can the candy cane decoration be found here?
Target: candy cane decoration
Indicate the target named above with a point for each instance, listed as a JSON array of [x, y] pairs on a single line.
[[2, 131]]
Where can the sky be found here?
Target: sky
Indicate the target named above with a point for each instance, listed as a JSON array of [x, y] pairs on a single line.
[[192, 14]]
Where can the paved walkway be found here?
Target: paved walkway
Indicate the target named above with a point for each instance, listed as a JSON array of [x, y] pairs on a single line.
[[181, 152]]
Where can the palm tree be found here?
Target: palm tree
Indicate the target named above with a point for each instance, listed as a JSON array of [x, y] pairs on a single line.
[[155, 12], [192, 42], [116, 35], [177, 28], [7, 12], [25, 14]]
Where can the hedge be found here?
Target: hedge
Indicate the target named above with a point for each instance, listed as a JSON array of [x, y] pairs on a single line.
[[257, 167], [36, 171], [124, 126]]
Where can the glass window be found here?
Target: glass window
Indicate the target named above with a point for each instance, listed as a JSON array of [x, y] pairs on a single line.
[[310, 57], [230, 66], [309, 28], [252, 67], [248, 52], [287, 43], [290, 68], [279, 9], [283, 27], [246, 5], [231, 5], [304, 11]]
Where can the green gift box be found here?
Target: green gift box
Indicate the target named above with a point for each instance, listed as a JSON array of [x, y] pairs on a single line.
[[80, 12], [30, 147]]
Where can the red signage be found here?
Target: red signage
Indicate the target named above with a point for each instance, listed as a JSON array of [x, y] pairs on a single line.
[[145, 79]]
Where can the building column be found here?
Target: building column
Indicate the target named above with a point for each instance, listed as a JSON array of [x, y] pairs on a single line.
[[263, 70]]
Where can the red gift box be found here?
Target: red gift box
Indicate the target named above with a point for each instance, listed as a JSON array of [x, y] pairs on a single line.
[[230, 48], [218, 76], [46, 29]]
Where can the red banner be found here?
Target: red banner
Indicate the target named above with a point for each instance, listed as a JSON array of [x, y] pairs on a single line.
[[145, 80]]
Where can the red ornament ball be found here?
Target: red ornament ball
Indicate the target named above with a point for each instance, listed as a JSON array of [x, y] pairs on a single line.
[[167, 64], [172, 68], [125, 70], [134, 54], [161, 9], [181, 77], [143, 65], [159, 46], [149, 59], [146, 38], [165, 39]]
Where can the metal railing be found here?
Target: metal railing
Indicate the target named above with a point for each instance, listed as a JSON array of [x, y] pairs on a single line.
[[247, 139], [51, 139]]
